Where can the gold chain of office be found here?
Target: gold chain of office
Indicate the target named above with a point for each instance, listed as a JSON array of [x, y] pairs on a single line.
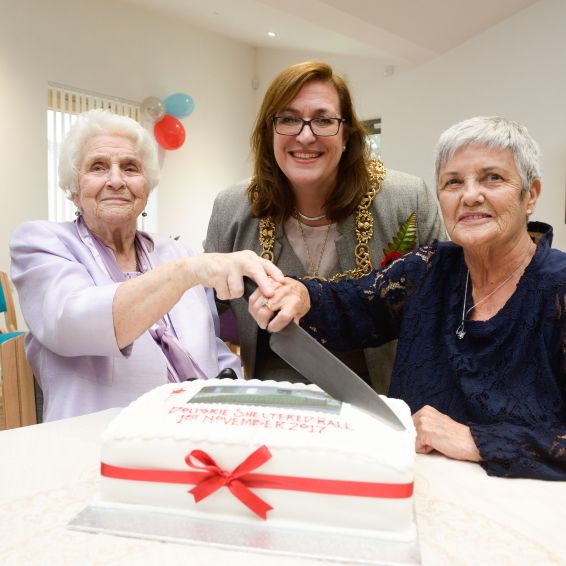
[[364, 229]]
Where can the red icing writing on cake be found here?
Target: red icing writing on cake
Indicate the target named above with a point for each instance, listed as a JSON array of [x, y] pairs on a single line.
[[256, 418]]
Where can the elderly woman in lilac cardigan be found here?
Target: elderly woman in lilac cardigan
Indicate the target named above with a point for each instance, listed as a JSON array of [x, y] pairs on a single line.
[[113, 311]]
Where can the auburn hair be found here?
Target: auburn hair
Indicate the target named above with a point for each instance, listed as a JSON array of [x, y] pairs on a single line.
[[269, 191]]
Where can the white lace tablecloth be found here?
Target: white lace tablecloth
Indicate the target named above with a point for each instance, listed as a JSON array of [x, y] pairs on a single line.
[[49, 472]]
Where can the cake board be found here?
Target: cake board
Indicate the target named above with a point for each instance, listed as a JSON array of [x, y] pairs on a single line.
[[185, 529]]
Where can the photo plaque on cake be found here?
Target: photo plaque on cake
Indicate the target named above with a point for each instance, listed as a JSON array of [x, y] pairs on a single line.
[[280, 397]]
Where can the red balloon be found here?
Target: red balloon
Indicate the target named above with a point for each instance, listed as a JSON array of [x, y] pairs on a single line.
[[169, 132]]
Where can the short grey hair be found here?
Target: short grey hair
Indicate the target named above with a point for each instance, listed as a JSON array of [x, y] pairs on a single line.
[[97, 122], [493, 132]]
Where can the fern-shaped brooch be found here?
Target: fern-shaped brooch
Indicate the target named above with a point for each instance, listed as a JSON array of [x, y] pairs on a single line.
[[404, 241]]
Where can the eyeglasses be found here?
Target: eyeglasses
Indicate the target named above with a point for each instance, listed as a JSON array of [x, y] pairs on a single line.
[[293, 126]]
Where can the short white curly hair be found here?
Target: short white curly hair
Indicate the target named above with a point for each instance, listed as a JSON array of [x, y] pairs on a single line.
[[96, 122], [497, 133]]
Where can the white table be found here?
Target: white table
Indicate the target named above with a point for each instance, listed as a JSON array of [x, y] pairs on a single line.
[[49, 472]]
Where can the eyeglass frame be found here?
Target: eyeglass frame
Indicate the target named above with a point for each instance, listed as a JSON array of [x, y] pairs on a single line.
[[308, 123]]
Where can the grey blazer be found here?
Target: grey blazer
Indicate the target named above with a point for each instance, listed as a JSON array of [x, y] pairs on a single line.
[[232, 228]]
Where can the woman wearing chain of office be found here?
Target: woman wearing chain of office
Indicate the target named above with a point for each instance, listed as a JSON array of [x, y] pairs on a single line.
[[317, 205], [481, 320]]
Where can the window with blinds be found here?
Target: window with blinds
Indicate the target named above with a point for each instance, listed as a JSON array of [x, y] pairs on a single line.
[[64, 104]]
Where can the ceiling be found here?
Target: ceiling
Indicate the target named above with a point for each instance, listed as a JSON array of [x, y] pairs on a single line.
[[397, 32]]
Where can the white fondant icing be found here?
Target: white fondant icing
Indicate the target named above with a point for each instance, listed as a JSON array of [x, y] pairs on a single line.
[[160, 428]]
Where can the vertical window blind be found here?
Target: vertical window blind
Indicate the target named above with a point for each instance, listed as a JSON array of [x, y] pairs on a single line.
[[64, 104]]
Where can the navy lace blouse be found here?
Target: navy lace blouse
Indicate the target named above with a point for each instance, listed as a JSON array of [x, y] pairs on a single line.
[[506, 379]]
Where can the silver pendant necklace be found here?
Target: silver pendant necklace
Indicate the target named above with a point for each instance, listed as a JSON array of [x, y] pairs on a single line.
[[461, 330], [314, 268], [309, 218]]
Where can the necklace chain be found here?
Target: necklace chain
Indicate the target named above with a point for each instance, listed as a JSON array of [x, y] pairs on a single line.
[[461, 330], [363, 228], [314, 269], [309, 218]]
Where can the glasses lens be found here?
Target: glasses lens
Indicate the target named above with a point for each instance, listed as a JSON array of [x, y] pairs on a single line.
[[325, 126], [288, 125]]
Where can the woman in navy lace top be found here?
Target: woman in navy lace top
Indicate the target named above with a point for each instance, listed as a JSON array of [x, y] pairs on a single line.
[[481, 320]]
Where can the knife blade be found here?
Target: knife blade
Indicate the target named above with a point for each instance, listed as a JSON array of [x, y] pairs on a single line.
[[320, 366]]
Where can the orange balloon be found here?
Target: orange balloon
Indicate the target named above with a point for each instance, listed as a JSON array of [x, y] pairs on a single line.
[[169, 132]]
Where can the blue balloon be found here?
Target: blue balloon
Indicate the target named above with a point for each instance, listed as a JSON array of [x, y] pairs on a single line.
[[179, 105]]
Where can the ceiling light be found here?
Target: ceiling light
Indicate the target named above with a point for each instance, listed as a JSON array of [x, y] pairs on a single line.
[[271, 34]]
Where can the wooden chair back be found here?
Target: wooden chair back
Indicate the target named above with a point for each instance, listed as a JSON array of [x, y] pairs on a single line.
[[7, 303], [18, 391]]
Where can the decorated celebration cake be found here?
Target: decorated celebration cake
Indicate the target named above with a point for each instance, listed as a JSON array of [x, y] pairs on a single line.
[[280, 454]]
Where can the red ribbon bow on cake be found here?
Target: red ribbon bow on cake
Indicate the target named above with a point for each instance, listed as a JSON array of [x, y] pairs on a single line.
[[233, 481], [212, 478]]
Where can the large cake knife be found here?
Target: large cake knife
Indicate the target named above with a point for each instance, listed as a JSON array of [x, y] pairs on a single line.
[[320, 366]]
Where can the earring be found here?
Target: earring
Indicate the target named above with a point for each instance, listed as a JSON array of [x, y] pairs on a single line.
[[344, 148], [77, 212], [144, 213]]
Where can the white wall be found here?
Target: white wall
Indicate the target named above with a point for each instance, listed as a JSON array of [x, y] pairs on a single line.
[[111, 48], [516, 69], [364, 76]]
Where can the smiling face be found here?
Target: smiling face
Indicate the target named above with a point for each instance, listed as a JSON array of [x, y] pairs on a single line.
[[310, 162], [112, 188], [480, 194]]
